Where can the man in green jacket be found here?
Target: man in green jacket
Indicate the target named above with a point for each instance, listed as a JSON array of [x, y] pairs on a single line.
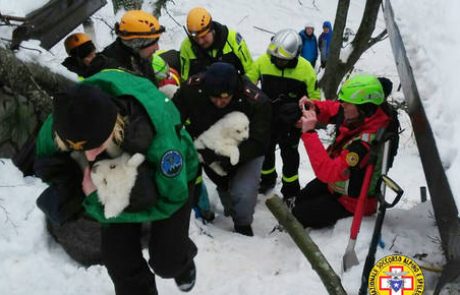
[[285, 77], [209, 42], [114, 112]]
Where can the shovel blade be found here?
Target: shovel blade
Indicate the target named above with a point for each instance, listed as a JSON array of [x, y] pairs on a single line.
[[349, 258]]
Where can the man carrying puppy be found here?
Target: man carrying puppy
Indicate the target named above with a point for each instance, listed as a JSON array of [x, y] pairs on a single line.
[[204, 99]]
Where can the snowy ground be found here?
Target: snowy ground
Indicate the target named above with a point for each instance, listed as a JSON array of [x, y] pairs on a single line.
[[32, 263]]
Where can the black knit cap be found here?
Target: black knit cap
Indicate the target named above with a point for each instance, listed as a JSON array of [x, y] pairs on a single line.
[[84, 116], [220, 79]]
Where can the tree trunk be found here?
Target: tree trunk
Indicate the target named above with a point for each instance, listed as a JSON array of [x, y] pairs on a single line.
[[308, 247], [336, 69], [25, 99], [127, 5], [332, 77]]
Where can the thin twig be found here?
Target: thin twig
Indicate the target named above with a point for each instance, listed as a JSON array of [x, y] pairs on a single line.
[[169, 14], [104, 21], [245, 17], [314, 5], [33, 49]]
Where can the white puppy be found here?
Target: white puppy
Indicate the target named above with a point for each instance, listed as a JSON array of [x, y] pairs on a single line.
[[223, 137], [114, 179]]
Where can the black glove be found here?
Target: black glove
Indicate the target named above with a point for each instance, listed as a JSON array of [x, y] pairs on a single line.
[[225, 163], [208, 156]]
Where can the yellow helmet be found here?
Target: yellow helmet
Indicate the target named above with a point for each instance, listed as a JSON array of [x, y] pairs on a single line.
[[138, 24], [75, 40], [199, 22]]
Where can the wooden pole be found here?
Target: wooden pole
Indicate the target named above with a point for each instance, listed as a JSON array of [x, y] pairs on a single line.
[[308, 247]]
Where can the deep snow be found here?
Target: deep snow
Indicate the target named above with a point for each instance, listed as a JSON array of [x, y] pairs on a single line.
[[32, 263]]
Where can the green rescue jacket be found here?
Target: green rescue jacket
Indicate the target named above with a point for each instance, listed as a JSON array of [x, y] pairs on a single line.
[[291, 82], [171, 152], [229, 46]]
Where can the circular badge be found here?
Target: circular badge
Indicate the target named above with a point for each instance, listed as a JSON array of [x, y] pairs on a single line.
[[396, 275], [352, 159], [171, 163]]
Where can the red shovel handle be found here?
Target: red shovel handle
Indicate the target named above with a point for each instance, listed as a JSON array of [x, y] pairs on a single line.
[[359, 211]]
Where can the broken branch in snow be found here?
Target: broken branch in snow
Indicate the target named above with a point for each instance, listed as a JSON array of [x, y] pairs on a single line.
[[308, 247]]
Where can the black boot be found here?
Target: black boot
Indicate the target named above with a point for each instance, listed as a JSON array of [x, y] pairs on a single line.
[[266, 187], [244, 230], [186, 280]]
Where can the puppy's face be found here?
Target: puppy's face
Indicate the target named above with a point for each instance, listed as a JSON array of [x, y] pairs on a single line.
[[101, 171], [240, 133]]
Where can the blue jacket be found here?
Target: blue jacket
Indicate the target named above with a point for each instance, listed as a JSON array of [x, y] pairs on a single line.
[[324, 41], [309, 47]]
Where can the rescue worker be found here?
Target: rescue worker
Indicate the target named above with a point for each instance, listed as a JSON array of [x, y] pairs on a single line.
[[81, 51], [359, 114], [285, 77], [110, 113], [208, 42], [206, 98]]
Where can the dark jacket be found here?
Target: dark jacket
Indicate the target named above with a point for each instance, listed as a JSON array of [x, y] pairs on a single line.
[[76, 65], [119, 56], [195, 105]]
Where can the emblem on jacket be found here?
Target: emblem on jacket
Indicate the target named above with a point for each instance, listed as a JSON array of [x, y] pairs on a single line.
[[171, 163]]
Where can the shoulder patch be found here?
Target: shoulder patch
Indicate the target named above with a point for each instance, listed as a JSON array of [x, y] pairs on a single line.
[[352, 159], [171, 163]]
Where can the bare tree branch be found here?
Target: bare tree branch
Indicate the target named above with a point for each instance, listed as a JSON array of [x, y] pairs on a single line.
[[380, 37]]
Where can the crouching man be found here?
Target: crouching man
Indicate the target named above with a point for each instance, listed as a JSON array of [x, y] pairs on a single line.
[[205, 99]]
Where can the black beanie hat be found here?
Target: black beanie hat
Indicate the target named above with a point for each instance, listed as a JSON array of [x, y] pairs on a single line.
[[84, 116], [220, 79]]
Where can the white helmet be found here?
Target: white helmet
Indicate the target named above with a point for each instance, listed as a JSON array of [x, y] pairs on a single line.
[[285, 44]]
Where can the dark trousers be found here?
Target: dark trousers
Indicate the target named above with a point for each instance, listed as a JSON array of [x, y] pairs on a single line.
[[288, 143], [170, 248], [316, 207]]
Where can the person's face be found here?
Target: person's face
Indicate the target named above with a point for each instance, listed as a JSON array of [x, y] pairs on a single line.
[[93, 153], [89, 58], [309, 31], [221, 102], [206, 40], [147, 52], [350, 111], [326, 30]]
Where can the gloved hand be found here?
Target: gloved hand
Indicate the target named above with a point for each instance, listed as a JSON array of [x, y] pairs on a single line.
[[208, 156], [225, 163]]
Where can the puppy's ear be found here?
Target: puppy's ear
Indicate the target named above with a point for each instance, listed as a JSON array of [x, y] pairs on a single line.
[[136, 160]]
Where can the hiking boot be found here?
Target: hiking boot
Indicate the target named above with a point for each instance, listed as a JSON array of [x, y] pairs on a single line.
[[244, 230], [186, 280]]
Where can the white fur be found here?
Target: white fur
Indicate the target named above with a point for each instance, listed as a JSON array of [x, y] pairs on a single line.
[[223, 137], [114, 179]]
